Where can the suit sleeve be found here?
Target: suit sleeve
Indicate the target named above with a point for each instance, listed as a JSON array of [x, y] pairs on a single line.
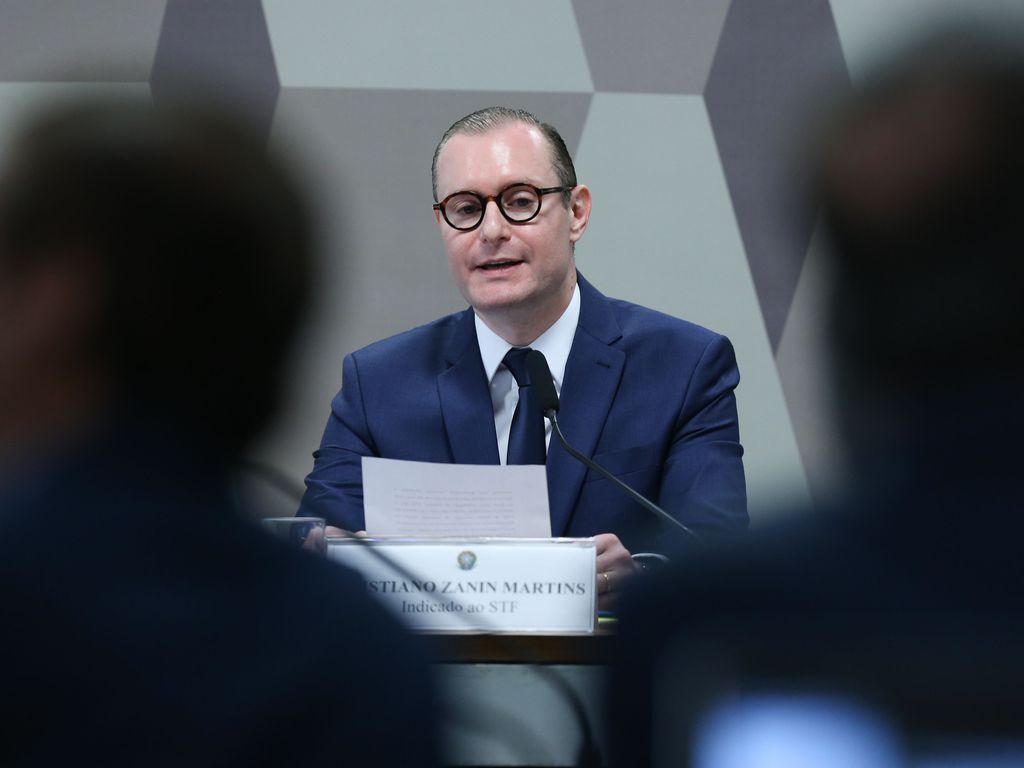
[[703, 482], [334, 489]]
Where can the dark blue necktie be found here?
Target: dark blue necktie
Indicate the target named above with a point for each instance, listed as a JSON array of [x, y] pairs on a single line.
[[526, 438]]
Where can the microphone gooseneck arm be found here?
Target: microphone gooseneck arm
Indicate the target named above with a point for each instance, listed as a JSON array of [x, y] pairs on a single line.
[[547, 398], [644, 502]]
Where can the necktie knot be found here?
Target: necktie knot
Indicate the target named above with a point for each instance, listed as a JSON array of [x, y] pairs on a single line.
[[515, 361]]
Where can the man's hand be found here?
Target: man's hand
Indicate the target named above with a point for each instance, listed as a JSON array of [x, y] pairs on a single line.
[[316, 541], [614, 566], [331, 530]]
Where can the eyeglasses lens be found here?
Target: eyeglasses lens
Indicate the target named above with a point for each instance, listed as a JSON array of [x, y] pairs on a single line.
[[520, 203], [465, 211]]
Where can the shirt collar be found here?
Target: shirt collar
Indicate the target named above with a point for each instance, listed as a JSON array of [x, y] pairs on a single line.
[[554, 343]]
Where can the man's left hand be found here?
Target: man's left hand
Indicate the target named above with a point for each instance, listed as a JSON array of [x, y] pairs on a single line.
[[614, 567]]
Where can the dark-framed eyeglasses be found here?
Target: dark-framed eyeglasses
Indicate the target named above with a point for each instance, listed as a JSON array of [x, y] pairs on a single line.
[[518, 203]]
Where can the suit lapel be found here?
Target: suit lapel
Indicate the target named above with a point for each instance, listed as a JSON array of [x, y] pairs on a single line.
[[465, 398], [592, 375]]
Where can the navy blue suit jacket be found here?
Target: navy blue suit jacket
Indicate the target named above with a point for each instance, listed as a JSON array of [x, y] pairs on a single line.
[[648, 396]]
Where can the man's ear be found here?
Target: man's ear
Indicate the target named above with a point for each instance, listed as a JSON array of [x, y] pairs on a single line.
[[579, 212]]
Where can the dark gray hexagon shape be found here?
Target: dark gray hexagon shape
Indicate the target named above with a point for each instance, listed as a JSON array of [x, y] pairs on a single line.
[[221, 45], [778, 65], [657, 46]]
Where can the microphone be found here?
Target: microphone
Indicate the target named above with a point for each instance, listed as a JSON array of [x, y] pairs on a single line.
[[543, 387]]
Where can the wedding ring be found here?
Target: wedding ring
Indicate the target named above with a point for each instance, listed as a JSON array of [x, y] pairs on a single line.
[[607, 581]]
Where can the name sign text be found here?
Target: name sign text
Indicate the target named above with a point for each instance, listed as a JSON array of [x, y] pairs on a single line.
[[479, 585]]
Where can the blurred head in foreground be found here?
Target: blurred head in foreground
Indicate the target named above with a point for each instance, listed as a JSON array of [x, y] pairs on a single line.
[[921, 180], [154, 261], [151, 258], [900, 595]]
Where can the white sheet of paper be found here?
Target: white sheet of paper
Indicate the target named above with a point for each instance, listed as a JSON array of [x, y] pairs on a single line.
[[416, 498]]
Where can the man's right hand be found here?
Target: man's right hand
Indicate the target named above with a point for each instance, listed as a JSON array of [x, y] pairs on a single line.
[[331, 530]]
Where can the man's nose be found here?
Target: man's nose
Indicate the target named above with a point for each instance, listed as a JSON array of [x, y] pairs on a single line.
[[494, 226]]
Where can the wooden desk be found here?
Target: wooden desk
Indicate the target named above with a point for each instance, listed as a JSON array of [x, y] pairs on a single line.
[[522, 649]]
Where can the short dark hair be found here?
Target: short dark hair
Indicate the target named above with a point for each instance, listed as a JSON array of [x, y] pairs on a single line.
[[489, 118], [200, 239]]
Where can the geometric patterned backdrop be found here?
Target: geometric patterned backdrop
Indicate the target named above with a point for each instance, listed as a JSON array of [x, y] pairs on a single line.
[[685, 117]]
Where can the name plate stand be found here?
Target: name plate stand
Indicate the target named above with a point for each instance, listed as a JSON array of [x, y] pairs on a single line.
[[479, 584]]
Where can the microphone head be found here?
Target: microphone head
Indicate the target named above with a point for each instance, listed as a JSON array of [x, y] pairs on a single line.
[[541, 382]]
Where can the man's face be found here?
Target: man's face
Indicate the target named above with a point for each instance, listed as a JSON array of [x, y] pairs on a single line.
[[511, 272]]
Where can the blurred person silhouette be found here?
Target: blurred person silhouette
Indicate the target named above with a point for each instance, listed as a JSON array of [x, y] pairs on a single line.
[[919, 180], [154, 262]]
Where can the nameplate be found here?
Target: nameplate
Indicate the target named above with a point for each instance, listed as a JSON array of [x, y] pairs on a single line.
[[479, 585]]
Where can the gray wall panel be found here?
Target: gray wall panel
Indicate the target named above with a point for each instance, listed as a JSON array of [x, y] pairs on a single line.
[[72, 40], [362, 92]]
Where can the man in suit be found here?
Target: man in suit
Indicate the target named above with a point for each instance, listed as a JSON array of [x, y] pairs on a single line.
[[648, 396], [153, 267]]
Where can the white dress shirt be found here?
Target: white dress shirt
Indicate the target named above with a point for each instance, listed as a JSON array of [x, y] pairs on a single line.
[[554, 343]]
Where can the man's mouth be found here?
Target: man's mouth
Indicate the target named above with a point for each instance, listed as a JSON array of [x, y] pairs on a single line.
[[495, 266]]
